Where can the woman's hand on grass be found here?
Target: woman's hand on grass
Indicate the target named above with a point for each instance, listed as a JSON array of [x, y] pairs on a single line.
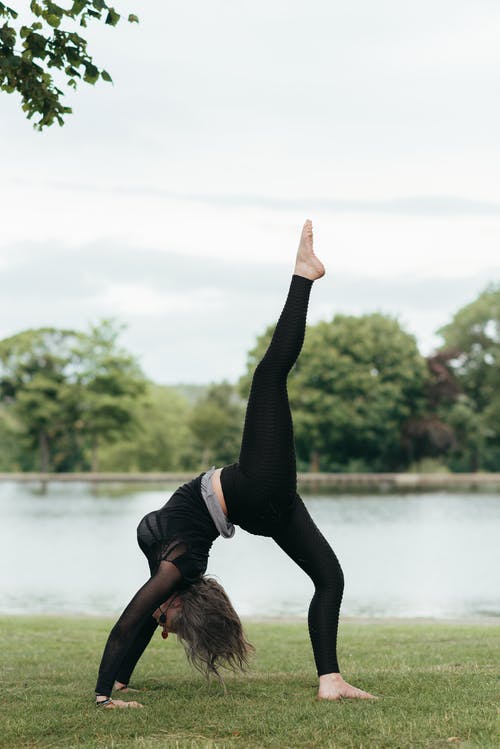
[[124, 704], [119, 704]]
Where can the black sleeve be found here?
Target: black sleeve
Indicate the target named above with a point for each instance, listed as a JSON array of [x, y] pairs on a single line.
[[141, 641], [123, 635]]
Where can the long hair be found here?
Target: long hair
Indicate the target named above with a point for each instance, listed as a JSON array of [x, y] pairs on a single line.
[[210, 629]]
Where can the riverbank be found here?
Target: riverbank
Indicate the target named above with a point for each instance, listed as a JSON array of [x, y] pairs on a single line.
[[306, 481], [435, 681]]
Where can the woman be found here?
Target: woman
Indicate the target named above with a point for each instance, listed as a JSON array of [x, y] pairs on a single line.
[[259, 494]]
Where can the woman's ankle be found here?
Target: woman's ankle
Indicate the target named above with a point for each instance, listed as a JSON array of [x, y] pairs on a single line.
[[334, 676]]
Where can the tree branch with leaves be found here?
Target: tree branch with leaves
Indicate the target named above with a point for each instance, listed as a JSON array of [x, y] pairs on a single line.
[[31, 53]]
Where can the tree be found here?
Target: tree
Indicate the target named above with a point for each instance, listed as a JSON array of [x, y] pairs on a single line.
[[106, 382], [34, 368], [356, 383], [162, 440], [69, 391], [216, 424], [429, 434], [29, 52], [13, 453], [474, 335]]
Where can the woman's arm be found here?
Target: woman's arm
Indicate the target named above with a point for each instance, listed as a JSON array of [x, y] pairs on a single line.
[[123, 635], [141, 641]]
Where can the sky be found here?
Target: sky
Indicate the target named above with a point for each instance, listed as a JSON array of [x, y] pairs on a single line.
[[172, 200]]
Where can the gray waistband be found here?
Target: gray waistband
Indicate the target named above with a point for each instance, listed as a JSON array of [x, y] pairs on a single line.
[[225, 528]]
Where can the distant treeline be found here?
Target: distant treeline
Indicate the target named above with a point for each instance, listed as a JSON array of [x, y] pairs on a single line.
[[363, 399]]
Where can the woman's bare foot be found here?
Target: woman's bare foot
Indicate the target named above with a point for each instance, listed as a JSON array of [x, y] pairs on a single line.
[[333, 687], [307, 264]]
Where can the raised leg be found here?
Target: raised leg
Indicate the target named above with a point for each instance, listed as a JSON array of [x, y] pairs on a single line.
[[267, 450]]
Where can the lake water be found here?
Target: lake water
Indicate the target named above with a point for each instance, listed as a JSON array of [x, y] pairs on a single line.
[[415, 555]]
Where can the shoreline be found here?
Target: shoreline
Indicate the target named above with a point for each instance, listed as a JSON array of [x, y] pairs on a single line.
[[360, 620], [476, 620], [384, 482]]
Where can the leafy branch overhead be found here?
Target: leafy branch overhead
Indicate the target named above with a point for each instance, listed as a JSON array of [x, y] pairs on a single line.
[[28, 53]]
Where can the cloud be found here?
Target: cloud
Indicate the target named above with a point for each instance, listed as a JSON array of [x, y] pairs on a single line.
[[439, 205], [216, 153], [194, 319], [412, 205]]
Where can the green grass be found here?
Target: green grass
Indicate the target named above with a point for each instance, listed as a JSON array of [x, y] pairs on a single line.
[[437, 682]]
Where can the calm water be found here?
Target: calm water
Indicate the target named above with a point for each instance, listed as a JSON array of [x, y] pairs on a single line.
[[435, 555]]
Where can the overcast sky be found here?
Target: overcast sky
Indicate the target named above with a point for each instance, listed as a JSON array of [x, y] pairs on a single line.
[[173, 199]]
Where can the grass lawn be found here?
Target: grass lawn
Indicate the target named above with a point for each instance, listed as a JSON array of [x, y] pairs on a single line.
[[436, 682]]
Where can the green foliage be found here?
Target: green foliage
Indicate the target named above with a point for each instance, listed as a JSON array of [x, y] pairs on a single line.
[[361, 395], [475, 333], [69, 391], [162, 440], [192, 393], [34, 368], [216, 424], [428, 465], [14, 455], [50, 41], [356, 383], [175, 433], [106, 382], [474, 337], [80, 401], [427, 436]]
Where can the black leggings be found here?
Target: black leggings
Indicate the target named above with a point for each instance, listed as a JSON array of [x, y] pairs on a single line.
[[262, 494]]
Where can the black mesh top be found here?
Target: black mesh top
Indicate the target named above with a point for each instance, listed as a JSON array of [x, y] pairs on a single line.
[[181, 532]]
